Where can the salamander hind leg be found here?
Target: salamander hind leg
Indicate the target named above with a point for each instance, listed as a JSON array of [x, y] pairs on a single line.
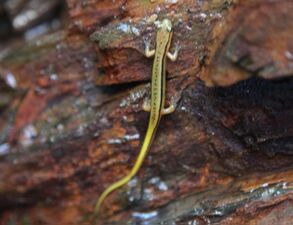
[[171, 108], [146, 106]]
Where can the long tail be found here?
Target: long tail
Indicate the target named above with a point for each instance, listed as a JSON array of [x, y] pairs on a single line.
[[139, 161]]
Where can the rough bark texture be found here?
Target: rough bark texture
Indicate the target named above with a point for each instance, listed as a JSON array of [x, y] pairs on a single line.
[[71, 120]]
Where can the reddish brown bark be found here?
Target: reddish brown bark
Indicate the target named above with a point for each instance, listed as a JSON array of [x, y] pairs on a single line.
[[74, 124]]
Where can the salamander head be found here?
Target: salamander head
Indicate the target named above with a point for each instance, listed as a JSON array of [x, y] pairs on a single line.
[[165, 25]]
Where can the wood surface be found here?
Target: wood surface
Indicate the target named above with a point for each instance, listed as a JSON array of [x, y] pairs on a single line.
[[71, 121]]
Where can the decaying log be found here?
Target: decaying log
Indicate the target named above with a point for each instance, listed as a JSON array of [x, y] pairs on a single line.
[[71, 120]]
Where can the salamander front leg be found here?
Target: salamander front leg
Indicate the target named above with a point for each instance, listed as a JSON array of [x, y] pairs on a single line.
[[148, 53], [173, 56]]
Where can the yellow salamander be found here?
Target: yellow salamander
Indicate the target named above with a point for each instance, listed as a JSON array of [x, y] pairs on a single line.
[[156, 106]]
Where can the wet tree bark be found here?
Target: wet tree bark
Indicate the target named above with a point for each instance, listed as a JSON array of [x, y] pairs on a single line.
[[71, 120]]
